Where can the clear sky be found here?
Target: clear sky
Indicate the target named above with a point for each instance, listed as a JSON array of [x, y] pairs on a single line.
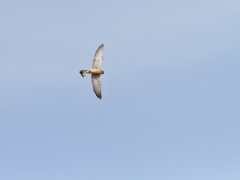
[[170, 106]]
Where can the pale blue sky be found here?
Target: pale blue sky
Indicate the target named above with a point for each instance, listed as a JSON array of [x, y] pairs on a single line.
[[170, 107]]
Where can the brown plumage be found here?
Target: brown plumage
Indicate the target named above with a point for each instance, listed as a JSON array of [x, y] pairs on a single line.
[[96, 71]]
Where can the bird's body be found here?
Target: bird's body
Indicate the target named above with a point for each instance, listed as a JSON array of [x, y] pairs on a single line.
[[96, 71], [91, 71]]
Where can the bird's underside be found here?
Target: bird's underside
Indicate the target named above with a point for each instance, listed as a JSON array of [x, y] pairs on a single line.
[[91, 71], [96, 71]]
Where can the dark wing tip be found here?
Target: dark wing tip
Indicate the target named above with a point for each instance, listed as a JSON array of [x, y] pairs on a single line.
[[101, 46], [99, 96]]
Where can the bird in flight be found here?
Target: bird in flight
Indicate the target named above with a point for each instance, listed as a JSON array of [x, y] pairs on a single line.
[[96, 71]]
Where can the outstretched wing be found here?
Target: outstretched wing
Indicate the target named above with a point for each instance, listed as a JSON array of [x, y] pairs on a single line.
[[96, 82], [98, 58]]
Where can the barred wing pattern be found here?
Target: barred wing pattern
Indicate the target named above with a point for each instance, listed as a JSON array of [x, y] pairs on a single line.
[[96, 82], [98, 58]]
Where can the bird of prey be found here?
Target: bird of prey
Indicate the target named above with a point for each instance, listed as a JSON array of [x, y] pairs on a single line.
[[96, 71]]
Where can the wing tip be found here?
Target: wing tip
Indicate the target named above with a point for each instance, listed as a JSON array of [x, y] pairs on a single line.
[[99, 96], [101, 46]]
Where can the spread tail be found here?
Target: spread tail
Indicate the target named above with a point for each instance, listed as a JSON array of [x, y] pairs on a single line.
[[84, 72]]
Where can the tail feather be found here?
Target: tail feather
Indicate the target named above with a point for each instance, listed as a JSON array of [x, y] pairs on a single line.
[[84, 72]]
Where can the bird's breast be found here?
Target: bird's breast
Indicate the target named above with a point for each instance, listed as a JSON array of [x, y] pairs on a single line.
[[96, 71]]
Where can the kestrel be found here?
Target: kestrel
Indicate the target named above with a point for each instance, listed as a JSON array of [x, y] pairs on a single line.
[[96, 71]]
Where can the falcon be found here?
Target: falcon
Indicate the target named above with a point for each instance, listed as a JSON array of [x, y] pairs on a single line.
[[96, 71]]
